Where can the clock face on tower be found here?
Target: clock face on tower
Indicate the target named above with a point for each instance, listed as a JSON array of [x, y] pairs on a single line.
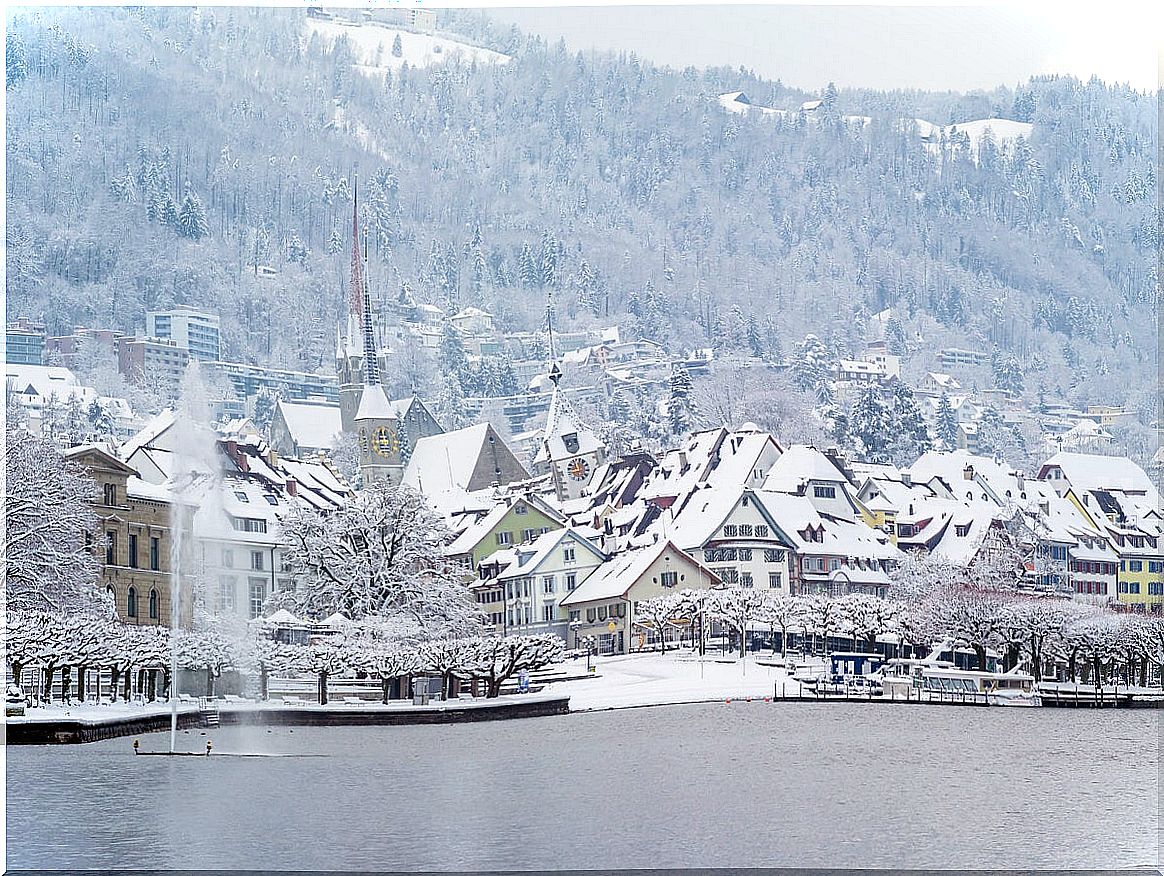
[[385, 442], [578, 469]]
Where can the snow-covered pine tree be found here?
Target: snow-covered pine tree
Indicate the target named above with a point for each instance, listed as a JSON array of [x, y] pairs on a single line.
[[871, 422], [191, 219], [397, 47], [946, 425]]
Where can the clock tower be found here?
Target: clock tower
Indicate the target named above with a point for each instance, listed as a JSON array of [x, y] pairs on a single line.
[[570, 452]]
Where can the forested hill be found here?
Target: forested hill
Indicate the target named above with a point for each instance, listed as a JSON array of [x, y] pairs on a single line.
[[155, 156]]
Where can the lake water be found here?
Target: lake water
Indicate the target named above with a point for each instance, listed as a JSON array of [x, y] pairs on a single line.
[[745, 784]]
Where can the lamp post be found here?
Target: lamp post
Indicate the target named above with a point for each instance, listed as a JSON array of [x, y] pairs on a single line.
[[589, 640], [575, 625]]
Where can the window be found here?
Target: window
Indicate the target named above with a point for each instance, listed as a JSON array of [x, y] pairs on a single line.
[[771, 556], [575, 614], [1155, 588], [505, 537], [248, 524], [548, 612], [761, 532], [256, 561], [131, 602], [719, 555], [745, 579], [226, 600], [156, 554], [669, 579], [834, 564], [745, 555], [110, 491], [153, 604], [548, 584], [110, 548], [745, 530], [729, 576], [571, 581], [520, 508], [775, 581], [271, 500], [602, 612], [258, 595], [962, 530], [824, 492], [1135, 565], [731, 531], [590, 612], [568, 555], [1155, 566], [241, 496], [133, 550]]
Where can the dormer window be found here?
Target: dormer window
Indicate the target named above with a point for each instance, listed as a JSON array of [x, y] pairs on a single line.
[[241, 496]]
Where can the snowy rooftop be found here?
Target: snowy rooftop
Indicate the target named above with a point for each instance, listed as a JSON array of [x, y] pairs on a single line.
[[312, 426], [797, 466]]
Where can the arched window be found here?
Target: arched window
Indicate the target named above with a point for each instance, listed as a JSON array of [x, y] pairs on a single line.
[[131, 602], [153, 604]]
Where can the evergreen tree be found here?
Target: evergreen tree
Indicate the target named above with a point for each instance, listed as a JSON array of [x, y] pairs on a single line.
[[947, 424], [619, 410], [102, 426], [451, 351], [811, 364], [449, 403], [909, 435], [1008, 376], [895, 336], [527, 268], [397, 48], [680, 407], [871, 423], [752, 335], [265, 402], [192, 218]]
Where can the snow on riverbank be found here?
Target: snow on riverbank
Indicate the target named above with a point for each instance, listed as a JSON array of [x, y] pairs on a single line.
[[655, 680], [92, 712]]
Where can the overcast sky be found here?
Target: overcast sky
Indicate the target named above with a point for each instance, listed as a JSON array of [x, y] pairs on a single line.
[[931, 47]]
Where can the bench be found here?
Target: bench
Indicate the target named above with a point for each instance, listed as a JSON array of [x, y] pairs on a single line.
[[294, 701], [354, 701]]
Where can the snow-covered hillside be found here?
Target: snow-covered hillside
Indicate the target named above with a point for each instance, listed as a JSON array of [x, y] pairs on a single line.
[[1002, 130], [372, 44]]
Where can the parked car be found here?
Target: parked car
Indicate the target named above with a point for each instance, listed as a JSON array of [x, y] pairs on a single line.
[[14, 701]]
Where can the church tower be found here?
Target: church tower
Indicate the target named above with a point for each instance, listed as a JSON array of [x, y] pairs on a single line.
[[570, 451], [374, 420]]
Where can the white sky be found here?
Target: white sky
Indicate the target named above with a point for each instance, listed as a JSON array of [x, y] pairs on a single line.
[[933, 46]]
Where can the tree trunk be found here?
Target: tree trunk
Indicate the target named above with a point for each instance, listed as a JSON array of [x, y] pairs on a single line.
[[494, 688], [46, 694], [128, 676], [167, 684], [17, 672], [743, 639], [323, 688], [263, 683], [1144, 672], [82, 671], [1071, 670], [114, 678], [385, 686], [67, 684], [980, 656]]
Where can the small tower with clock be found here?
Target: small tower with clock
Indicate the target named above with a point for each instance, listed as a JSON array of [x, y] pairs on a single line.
[[570, 451]]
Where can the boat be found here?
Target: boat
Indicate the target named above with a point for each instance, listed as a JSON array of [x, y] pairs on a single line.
[[851, 673], [941, 681]]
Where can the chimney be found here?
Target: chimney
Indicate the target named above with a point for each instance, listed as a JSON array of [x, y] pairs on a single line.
[[230, 447], [292, 487], [968, 473], [907, 479]]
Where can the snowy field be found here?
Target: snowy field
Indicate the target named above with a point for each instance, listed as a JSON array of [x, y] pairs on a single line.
[[655, 680], [372, 44]]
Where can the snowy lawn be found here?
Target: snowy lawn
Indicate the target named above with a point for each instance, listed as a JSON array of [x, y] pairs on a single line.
[[654, 680], [96, 713]]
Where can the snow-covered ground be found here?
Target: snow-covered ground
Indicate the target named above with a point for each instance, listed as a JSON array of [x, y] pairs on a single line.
[[372, 44], [655, 680], [94, 712]]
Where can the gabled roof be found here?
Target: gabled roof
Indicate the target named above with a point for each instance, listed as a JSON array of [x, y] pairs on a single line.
[[530, 557], [311, 426], [798, 465], [616, 576], [561, 420], [446, 467], [1089, 471], [102, 455]]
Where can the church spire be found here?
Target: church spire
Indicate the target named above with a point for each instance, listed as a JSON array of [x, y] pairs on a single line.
[[361, 300]]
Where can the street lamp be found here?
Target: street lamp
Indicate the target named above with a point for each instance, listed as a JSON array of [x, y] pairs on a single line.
[[576, 625], [589, 640]]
